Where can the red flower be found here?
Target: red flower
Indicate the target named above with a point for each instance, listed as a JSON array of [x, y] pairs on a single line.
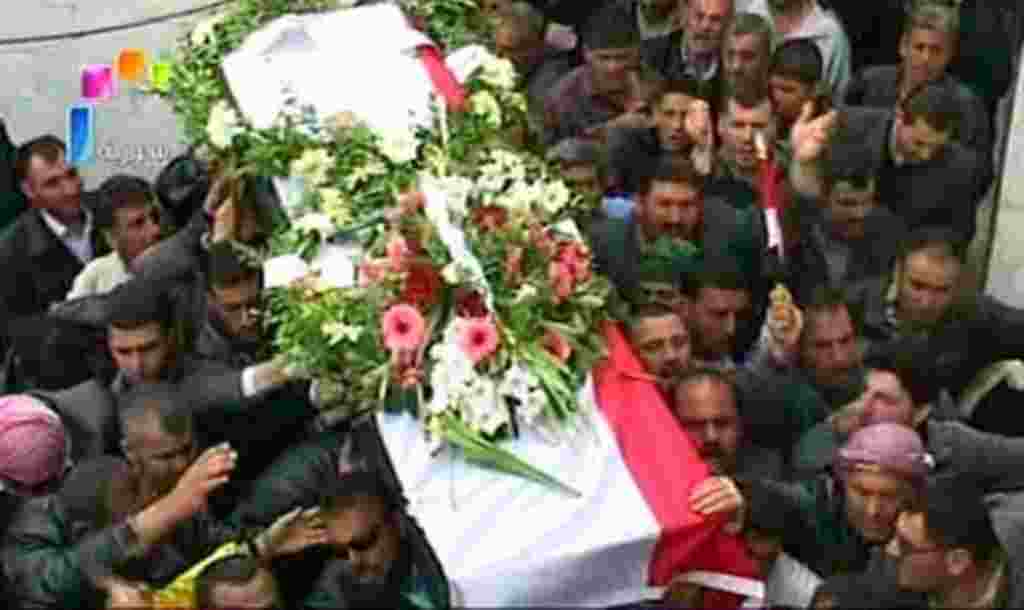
[[490, 217], [543, 242], [576, 258], [556, 345], [372, 270], [513, 265], [398, 252], [470, 304], [478, 339], [562, 281], [422, 285], [403, 328]]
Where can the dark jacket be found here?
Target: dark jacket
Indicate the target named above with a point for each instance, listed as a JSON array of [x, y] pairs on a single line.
[[663, 54], [630, 151], [12, 199], [974, 333], [871, 257], [90, 420], [879, 86], [726, 232], [48, 557], [944, 192], [40, 269]]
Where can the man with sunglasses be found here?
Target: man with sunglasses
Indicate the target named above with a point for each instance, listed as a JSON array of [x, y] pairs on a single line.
[[380, 557], [130, 222]]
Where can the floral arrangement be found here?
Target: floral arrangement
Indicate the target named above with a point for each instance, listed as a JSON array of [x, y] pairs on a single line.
[[474, 294]]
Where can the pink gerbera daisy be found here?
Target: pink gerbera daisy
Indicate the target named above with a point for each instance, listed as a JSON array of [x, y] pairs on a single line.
[[403, 327], [478, 339]]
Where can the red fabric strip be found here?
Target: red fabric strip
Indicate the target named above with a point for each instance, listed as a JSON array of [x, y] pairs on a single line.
[[665, 467], [444, 82]]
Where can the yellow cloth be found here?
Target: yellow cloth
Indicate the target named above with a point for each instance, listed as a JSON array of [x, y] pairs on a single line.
[[182, 592]]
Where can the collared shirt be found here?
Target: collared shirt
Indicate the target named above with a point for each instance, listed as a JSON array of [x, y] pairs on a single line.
[[80, 242]]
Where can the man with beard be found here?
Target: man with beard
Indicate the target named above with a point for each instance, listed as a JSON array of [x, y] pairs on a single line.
[[844, 515], [844, 239], [671, 213], [746, 115], [661, 342], [747, 52], [707, 407], [380, 557]]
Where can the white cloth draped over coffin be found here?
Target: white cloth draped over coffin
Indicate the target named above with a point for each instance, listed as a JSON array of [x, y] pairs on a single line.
[[507, 541]]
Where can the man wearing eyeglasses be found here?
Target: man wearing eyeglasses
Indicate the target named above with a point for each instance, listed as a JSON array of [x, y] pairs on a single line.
[[380, 558], [948, 549]]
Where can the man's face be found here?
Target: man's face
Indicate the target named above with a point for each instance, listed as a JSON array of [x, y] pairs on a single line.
[[920, 561], [830, 352], [925, 54], [583, 178], [135, 229], [788, 97], [611, 68], [367, 538], [513, 44], [847, 210], [714, 318], [927, 288], [259, 593], [764, 548], [737, 128], [663, 345], [886, 400], [873, 502], [161, 458], [670, 209], [670, 121], [707, 411], [745, 60], [239, 308], [141, 354], [53, 186], [918, 142], [706, 21]]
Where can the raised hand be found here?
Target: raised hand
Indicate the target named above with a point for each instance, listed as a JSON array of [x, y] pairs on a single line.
[[698, 124], [809, 136], [716, 495], [126, 594], [292, 532], [207, 474]]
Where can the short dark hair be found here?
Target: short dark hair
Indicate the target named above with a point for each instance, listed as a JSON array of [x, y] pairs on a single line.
[[713, 273], [859, 176], [798, 59], [647, 309], [936, 105], [227, 267], [825, 299], [612, 27], [745, 97], [712, 375], [745, 24], [911, 366], [49, 147], [237, 569], [668, 168], [137, 303], [956, 516], [348, 489], [940, 241], [525, 17], [162, 400], [681, 86], [118, 193]]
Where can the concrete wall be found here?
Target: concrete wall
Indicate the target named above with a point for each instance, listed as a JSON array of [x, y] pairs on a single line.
[[135, 133]]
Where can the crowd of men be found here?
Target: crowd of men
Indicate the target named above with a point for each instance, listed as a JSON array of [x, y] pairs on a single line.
[[860, 428]]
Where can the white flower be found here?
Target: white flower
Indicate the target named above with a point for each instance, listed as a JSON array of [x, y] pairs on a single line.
[[532, 409], [334, 204], [450, 273], [521, 196], [363, 173], [223, 125], [316, 223], [313, 165], [517, 383], [525, 293], [556, 196], [399, 145], [204, 31], [498, 72], [483, 104], [339, 331]]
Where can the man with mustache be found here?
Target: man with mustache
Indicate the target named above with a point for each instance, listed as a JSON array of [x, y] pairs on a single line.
[[661, 342], [672, 212], [707, 406]]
